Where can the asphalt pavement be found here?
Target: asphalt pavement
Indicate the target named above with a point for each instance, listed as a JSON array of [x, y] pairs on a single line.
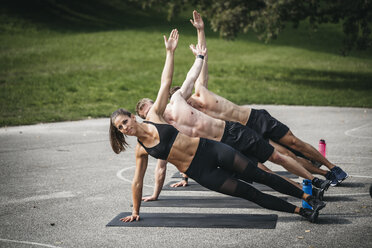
[[60, 184]]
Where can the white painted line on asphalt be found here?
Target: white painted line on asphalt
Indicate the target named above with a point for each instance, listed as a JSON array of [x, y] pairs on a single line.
[[360, 176], [349, 132], [347, 194], [63, 194], [348, 157], [120, 176], [27, 242]]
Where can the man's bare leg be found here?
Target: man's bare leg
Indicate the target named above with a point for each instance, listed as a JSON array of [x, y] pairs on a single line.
[[290, 165], [290, 140], [294, 167], [304, 162], [310, 167], [308, 150]]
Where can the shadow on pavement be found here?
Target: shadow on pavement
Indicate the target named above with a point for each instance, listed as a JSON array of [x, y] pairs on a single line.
[[326, 220], [351, 185], [322, 220], [338, 198]]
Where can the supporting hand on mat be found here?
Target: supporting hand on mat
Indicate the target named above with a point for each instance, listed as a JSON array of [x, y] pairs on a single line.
[[149, 198], [130, 218], [182, 183]]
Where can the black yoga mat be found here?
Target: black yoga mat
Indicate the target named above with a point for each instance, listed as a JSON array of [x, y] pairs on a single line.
[[201, 202], [193, 186], [191, 220], [280, 173]]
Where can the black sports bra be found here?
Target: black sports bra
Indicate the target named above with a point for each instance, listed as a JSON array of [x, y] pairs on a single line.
[[167, 135]]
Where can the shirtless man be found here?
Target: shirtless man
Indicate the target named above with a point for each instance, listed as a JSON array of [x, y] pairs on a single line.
[[197, 124], [262, 122]]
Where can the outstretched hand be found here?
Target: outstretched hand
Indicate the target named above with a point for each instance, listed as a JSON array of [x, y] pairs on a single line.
[[198, 21], [171, 43], [198, 50]]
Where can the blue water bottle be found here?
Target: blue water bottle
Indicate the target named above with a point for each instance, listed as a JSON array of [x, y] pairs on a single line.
[[307, 188]]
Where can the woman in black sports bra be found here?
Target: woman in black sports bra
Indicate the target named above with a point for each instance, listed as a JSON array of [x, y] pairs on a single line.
[[208, 162]]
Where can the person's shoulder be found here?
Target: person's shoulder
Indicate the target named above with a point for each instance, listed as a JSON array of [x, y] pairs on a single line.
[[140, 151], [151, 114], [154, 117], [175, 96]]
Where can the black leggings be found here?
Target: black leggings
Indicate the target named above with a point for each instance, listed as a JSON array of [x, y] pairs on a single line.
[[214, 165]]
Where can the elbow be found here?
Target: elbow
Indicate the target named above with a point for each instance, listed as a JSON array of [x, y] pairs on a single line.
[[137, 185], [185, 95], [162, 169], [166, 82]]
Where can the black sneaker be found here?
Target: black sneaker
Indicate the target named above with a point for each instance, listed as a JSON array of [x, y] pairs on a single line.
[[339, 173], [309, 214], [318, 193], [322, 184], [316, 204], [332, 177]]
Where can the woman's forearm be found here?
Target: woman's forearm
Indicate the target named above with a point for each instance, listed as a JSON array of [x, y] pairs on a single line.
[[167, 74], [137, 197]]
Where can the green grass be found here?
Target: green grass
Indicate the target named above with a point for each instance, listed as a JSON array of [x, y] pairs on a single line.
[[71, 65]]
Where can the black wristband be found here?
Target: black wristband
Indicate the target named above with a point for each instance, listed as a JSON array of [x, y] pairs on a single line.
[[185, 178], [200, 56]]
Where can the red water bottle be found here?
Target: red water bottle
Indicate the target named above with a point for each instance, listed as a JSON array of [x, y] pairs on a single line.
[[322, 147]]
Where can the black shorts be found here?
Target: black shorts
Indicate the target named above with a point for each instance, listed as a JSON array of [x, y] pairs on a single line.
[[246, 141], [266, 125]]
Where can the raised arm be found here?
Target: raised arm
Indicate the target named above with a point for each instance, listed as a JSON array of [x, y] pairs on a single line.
[[187, 86], [137, 183], [160, 173], [167, 75], [203, 78], [199, 25]]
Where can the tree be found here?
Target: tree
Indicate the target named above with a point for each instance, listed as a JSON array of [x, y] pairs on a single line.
[[267, 18]]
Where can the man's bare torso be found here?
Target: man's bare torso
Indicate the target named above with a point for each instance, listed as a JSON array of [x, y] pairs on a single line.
[[219, 107], [192, 122]]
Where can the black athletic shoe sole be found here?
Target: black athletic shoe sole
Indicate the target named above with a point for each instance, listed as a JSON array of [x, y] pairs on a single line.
[[314, 217], [325, 187], [319, 207], [319, 194]]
